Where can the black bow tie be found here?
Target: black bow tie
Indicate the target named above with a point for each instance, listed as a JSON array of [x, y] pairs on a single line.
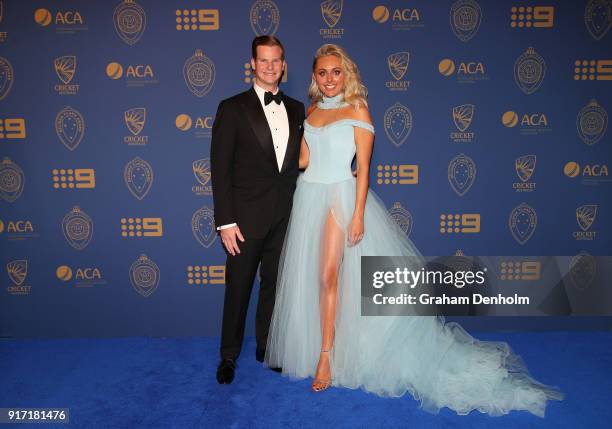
[[269, 97]]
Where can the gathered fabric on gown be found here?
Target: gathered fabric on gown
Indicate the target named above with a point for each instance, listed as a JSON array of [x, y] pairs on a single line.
[[437, 362]]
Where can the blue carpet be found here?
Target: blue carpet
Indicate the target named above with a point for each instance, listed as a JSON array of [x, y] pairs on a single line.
[[170, 383]]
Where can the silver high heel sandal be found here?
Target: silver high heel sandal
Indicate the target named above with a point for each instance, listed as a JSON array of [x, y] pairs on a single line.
[[319, 385]]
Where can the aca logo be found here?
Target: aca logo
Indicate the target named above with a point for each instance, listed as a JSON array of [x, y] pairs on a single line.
[[264, 17], [522, 222], [529, 71], [401, 19], [65, 68], [12, 129], [528, 123], [82, 276], [593, 70], [465, 18], [66, 21], [138, 177], [202, 125], [197, 19], [248, 73], [199, 74], [203, 226], [398, 123], [520, 270], [141, 227], [12, 180], [463, 71], [6, 77], [401, 217], [70, 127], [73, 178], [532, 17], [130, 21], [585, 216], [393, 174], [462, 117], [331, 10], [461, 173], [582, 270], [460, 223], [591, 123], [591, 174], [17, 272], [144, 276], [135, 119], [18, 230], [135, 75], [398, 66], [201, 171], [205, 274], [77, 227], [598, 17], [524, 167]]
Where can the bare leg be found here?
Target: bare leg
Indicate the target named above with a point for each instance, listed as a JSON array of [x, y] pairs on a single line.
[[331, 256]]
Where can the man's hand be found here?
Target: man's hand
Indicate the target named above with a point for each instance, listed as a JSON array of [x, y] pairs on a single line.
[[228, 238]]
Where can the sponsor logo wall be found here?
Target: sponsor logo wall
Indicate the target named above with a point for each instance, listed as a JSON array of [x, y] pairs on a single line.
[[491, 139]]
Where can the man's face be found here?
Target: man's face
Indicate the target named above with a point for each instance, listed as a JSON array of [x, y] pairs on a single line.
[[268, 66]]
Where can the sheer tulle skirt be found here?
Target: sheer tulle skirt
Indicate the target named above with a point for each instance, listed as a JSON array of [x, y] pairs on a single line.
[[438, 363]]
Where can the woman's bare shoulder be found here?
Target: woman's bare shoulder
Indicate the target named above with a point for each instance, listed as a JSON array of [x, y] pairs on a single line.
[[361, 113]]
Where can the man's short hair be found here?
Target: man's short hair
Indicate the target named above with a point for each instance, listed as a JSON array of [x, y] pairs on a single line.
[[266, 41]]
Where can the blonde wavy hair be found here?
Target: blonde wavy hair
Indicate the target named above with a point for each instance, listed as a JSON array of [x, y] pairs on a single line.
[[355, 92]]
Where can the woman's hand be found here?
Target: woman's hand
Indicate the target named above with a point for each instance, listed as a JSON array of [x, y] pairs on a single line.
[[355, 230]]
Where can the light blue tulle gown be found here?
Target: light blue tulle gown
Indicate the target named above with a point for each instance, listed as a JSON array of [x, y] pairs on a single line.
[[438, 363]]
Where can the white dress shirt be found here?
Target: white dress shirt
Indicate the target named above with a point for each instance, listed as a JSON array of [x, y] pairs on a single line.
[[276, 114], [278, 121]]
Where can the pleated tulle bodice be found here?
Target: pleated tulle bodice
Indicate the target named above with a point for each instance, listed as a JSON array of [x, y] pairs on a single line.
[[331, 150]]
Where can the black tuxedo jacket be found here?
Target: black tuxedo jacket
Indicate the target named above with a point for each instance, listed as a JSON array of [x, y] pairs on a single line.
[[247, 187]]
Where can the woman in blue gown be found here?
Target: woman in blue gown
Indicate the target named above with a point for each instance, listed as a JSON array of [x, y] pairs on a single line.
[[317, 329]]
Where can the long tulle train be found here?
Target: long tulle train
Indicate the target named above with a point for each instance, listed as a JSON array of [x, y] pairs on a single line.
[[438, 363]]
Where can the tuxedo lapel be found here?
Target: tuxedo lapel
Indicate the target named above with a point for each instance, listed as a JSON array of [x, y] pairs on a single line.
[[259, 123], [292, 142]]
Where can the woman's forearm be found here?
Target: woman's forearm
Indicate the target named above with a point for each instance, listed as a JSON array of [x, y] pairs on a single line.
[[361, 192], [303, 162], [304, 155]]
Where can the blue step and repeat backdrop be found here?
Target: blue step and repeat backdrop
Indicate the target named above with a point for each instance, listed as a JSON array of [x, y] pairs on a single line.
[[492, 139]]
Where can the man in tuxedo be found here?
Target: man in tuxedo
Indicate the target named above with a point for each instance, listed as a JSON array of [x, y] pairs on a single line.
[[254, 167]]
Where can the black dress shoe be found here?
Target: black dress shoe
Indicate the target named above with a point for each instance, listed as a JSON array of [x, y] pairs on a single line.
[[225, 371], [260, 354]]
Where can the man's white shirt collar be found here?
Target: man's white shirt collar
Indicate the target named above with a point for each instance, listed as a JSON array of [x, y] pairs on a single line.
[[260, 92]]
